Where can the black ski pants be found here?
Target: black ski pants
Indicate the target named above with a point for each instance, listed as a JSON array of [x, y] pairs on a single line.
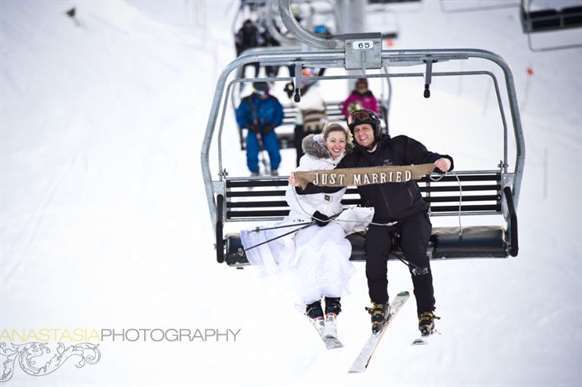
[[415, 233]]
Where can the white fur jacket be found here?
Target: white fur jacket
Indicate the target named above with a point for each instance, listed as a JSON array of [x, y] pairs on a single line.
[[327, 200]]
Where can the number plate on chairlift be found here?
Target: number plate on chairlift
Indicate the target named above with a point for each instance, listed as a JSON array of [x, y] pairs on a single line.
[[362, 44], [363, 51]]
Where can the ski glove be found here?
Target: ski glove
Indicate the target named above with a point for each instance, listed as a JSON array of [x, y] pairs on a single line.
[[289, 88], [320, 219], [254, 128]]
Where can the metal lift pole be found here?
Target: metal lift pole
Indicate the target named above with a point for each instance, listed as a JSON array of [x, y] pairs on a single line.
[[353, 18]]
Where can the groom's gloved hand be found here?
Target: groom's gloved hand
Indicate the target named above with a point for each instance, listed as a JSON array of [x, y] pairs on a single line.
[[320, 219]]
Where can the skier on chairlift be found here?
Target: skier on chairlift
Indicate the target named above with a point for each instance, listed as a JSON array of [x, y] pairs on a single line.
[[317, 256], [399, 209], [360, 98], [260, 113]]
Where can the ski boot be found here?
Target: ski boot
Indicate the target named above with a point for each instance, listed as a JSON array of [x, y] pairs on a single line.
[[332, 306], [314, 311], [426, 323], [332, 309], [379, 314], [315, 314]]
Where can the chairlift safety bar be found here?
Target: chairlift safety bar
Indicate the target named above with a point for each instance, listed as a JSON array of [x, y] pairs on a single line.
[[233, 82]]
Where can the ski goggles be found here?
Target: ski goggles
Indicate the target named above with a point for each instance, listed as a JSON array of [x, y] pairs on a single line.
[[363, 115], [362, 83]]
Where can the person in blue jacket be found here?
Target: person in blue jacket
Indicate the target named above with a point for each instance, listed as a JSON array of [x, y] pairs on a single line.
[[260, 113]]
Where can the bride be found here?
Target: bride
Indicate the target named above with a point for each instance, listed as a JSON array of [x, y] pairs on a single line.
[[317, 255]]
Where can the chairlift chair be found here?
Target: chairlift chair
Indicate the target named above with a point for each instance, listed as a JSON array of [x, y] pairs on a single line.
[[268, 17], [548, 20], [247, 9], [492, 191]]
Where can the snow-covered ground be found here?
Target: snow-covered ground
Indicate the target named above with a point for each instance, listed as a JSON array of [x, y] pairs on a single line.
[[104, 225]]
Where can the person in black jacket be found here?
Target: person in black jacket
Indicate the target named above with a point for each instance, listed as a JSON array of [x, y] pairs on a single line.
[[247, 37], [394, 202]]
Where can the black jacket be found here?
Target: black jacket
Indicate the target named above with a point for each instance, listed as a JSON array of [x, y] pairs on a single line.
[[392, 201]]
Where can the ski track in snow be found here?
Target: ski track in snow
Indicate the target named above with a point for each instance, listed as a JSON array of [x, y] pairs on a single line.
[[104, 221]]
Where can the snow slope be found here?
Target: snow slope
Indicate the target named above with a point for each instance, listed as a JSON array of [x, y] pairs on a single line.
[[103, 222]]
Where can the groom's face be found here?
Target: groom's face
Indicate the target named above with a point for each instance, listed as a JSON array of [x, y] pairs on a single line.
[[364, 135]]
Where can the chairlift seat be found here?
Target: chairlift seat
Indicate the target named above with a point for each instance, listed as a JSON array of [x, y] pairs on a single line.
[[472, 194], [445, 242], [333, 111], [475, 241]]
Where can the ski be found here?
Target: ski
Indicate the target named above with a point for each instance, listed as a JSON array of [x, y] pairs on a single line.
[[331, 342], [424, 339], [420, 341], [363, 359]]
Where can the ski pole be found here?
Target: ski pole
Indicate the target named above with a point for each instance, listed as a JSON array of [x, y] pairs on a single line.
[[257, 229], [280, 236], [262, 148]]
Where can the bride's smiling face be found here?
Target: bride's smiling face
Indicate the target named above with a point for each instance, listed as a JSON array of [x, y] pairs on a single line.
[[336, 143]]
